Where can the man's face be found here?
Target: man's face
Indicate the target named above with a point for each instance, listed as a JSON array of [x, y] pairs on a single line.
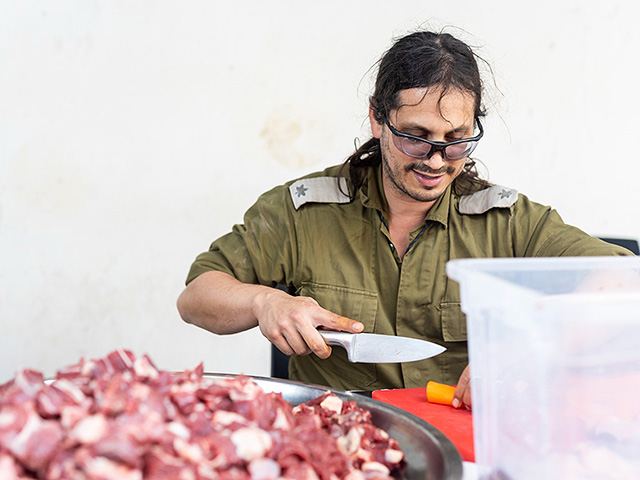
[[429, 116]]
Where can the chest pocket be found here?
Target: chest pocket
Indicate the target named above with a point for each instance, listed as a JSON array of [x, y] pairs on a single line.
[[357, 305], [454, 322]]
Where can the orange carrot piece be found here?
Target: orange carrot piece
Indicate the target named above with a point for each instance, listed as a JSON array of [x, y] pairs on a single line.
[[440, 393]]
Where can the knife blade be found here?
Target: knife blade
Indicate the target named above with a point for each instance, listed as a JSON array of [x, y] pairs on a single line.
[[376, 348]]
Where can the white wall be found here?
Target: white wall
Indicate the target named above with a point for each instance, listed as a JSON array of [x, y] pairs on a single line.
[[134, 133]]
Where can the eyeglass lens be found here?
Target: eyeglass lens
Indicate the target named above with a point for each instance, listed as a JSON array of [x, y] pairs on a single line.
[[417, 149]]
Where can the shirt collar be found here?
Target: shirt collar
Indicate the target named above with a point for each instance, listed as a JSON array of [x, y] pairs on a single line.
[[371, 192], [440, 210]]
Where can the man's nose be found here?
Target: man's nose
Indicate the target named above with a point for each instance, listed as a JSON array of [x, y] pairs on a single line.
[[435, 161]]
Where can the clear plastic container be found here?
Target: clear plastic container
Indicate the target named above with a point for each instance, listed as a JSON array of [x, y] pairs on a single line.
[[554, 349]]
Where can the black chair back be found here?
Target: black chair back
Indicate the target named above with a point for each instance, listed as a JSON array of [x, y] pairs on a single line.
[[279, 363], [628, 243]]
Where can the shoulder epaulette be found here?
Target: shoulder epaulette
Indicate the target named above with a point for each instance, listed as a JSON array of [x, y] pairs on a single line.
[[319, 190], [484, 200]]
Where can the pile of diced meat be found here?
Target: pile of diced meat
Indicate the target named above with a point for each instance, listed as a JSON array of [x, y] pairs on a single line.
[[120, 418]]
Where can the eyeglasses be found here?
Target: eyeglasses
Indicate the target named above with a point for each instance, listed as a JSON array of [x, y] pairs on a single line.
[[418, 147]]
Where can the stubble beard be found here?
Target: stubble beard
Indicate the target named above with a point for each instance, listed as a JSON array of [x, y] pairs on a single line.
[[424, 194]]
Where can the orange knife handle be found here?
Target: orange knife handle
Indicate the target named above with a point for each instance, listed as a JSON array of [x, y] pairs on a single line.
[[440, 393]]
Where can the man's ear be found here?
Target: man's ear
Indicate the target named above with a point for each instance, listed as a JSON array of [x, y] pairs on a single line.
[[376, 128]]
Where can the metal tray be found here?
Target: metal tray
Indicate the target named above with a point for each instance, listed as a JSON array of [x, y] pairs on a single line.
[[429, 454]]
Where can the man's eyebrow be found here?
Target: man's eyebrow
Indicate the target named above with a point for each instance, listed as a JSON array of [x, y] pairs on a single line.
[[462, 129]]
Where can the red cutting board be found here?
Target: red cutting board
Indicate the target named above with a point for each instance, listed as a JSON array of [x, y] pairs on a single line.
[[455, 423]]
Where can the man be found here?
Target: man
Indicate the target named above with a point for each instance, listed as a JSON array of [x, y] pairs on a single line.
[[364, 246]]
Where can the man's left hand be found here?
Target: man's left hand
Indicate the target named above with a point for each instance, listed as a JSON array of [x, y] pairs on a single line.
[[462, 395]]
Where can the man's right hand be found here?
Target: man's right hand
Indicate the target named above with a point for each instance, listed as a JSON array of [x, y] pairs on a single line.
[[291, 323], [221, 304]]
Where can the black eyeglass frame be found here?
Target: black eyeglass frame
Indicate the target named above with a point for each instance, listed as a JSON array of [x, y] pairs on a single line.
[[438, 146]]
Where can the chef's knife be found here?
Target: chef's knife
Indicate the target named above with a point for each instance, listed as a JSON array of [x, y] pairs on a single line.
[[375, 348]]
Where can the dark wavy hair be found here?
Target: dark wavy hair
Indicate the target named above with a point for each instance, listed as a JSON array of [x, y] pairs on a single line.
[[421, 60]]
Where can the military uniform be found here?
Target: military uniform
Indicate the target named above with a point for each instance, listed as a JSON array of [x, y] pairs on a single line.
[[311, 234]]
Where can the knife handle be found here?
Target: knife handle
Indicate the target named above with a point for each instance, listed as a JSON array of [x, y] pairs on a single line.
[[332, 337], [440, 393]]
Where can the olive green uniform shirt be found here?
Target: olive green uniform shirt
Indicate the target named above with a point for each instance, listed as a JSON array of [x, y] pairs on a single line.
[[311, 236]]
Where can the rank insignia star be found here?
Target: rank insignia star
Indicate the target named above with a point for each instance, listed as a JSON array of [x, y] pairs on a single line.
[[505, 193], [301, 190]]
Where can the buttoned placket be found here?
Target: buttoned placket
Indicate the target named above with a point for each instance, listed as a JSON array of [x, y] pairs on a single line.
[[409, 269], [391, 245]]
